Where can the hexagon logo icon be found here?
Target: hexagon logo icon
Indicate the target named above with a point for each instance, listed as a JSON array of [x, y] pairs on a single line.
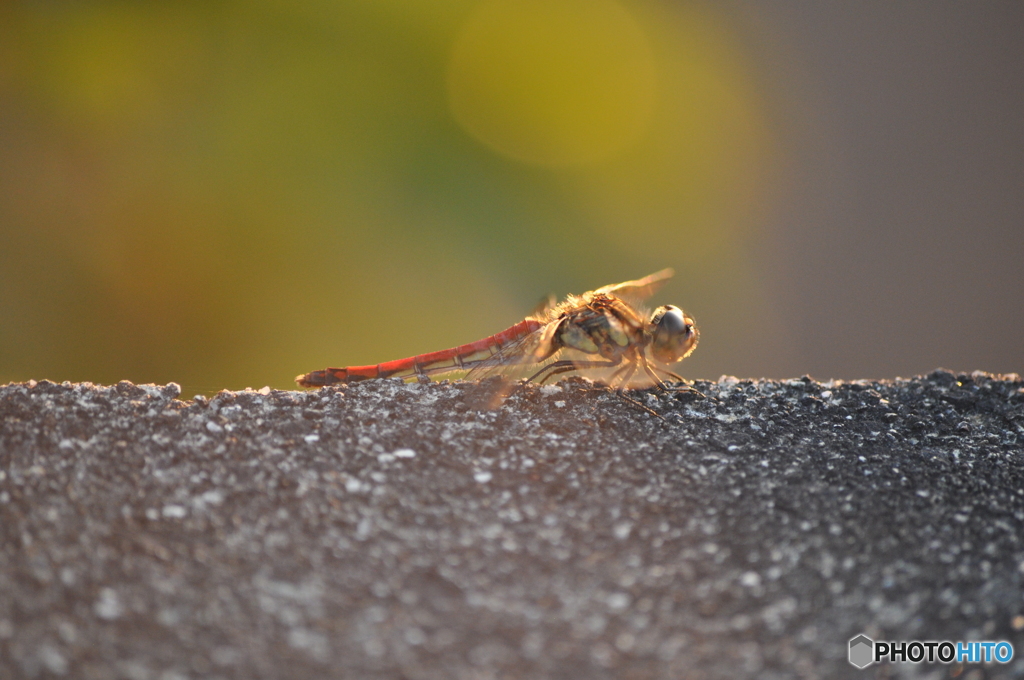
[[862, 651]]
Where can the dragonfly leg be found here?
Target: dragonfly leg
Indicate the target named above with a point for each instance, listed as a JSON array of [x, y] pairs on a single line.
[[647, 369], [615, 377], [622, 395], [565, 366], [622, 377], [568, 365], [675, 388], [670, 374]]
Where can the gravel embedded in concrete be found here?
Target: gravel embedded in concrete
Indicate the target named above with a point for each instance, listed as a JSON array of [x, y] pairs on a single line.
[[385, 530]]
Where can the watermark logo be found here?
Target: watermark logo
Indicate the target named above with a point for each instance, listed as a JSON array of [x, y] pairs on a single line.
[[864, 651]]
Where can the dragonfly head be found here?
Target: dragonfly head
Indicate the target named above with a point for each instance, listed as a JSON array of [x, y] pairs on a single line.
[[673, 334]]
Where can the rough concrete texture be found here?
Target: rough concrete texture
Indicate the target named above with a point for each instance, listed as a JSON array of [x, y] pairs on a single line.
[[386, 530]]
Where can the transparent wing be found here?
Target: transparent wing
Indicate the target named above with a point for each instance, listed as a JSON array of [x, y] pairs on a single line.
[[641, 289], [544, 306], [516, 360]]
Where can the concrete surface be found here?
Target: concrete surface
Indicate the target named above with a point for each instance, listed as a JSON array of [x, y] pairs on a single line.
[[386, 530]]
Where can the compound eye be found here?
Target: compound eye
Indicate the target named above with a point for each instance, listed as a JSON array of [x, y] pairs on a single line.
[[673, 334]]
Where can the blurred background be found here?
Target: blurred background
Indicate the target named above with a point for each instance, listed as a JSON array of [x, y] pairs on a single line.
[[226, 194]]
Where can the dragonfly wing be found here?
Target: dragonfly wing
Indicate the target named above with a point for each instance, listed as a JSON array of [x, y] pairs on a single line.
[[544, 306], [516, 359], [641, 289]]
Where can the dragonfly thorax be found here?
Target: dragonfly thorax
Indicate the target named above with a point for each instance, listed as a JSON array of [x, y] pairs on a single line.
[[603, 326], [673, 334]]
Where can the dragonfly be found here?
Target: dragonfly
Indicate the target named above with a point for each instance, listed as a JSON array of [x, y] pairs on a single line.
[[601, 331]]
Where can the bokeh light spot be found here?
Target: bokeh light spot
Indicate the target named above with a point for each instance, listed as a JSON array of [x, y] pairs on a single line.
[[553, 82]]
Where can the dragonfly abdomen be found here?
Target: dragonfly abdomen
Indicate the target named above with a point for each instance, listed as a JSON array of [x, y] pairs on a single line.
[[461, 358]]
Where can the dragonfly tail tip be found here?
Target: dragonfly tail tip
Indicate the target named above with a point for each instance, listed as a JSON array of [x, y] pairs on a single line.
[[317, 379]]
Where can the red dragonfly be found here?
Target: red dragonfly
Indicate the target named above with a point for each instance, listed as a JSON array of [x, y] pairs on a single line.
[[556, 339]]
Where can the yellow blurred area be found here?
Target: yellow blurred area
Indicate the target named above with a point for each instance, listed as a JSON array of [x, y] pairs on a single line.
[[552, 81], [116, 67], [226, 194]]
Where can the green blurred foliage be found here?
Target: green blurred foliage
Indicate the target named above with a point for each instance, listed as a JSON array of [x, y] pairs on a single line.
[[226, 194]]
